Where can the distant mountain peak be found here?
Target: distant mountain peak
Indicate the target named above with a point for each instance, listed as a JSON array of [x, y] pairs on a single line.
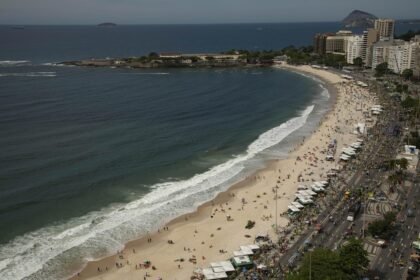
[[358, 18]]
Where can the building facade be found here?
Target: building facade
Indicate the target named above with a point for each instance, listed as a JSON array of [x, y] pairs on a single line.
[[379, 53], [320, 42], [354, 47], [370, 37], [385, 28], [337, 44], [399, 55]]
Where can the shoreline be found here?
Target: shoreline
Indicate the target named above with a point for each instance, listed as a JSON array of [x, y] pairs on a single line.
[[203, 212]]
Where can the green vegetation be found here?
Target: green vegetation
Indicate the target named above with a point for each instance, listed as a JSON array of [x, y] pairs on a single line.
[[358, 61], [298, 56], [383, 228], [295, 56], [323, 264], [401, 163], [413, 138], [335, 60], [408, 35], [381, 69], [353, 258], [407, 74], [400, 87]]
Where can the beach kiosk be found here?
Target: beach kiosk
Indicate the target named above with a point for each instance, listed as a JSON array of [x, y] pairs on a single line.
[[242, 262]]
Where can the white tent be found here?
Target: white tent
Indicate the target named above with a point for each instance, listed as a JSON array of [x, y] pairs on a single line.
[[362, 84], [307, 193], [304, 200], [239, 253], [344, 157], [310, 192], [321, 184], [253, 247], [222, 266], [248, 251], [317, 189], [297, 205], [293, 208], [349, 151], [209, 274]]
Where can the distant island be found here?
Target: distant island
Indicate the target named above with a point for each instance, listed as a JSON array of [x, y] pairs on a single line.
[[107, 24], [359, 18]]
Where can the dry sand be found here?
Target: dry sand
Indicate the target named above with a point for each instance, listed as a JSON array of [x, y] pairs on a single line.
[[205, 232]]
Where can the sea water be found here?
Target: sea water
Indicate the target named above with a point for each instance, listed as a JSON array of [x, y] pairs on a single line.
[[94, 157]]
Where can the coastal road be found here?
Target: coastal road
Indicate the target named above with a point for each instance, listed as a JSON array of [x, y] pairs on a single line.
[[335, 232]]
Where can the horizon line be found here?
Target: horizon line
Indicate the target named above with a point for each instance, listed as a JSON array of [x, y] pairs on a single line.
[[213, 23]]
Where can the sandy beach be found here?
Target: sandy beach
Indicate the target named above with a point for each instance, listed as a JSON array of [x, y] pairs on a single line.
[[217, 228]]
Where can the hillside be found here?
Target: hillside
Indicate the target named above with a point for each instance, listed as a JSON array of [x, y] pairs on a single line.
[[359, 18]]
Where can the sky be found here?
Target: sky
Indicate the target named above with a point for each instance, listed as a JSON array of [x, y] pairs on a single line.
[[196, 11]]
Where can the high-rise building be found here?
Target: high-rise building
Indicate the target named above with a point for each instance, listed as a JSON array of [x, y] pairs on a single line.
[[354, 46], [399, 55], [385, 28], [416, 58], [370, 36], [380, 53], [320, 42], [337, 44]]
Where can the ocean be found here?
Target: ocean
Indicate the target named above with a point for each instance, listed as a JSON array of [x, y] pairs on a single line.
[[94, 157]]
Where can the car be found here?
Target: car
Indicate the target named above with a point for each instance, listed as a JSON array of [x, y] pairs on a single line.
[[410, 213], [293, 259], [381, 243]]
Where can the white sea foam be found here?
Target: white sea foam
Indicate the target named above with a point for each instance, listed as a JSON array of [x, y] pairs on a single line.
[[325, 92], [13, 62], [42, 254], [151, 73], [29, 74]]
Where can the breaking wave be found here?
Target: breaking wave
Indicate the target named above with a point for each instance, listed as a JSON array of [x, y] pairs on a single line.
[[29, 74], [46, 253]]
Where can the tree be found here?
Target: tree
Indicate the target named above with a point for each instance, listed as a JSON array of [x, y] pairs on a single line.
[[353, 258], [407, 74], [335, 60], [383, 227], [322, 264], [358, 61], [153, 55], [381, 69], [403, 163]]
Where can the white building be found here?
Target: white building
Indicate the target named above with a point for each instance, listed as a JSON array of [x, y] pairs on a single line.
[[399, 54], [385, 28], [354, 47], [380, 53]]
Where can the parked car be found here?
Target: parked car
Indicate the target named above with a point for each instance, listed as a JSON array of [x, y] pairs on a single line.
[[410, 213]]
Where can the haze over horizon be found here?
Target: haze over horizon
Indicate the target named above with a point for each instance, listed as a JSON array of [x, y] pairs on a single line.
[[195, 11]]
